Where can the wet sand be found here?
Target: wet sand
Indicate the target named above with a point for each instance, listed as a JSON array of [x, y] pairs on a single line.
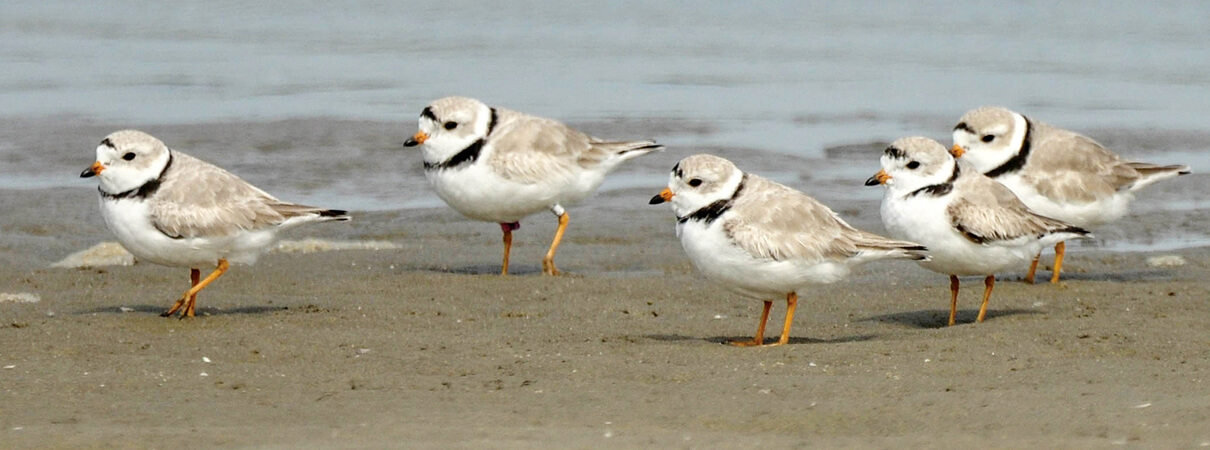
[[425, 346]]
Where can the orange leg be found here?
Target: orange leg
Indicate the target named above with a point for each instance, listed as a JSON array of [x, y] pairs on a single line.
[[1033, 267], [989, 282], [548, 263], [1060, 248], [953, 299], [791, 303], [760, 331], [189, 300], [194, 276], [508, 246]]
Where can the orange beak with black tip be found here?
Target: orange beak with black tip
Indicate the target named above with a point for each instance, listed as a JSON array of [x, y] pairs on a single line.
[[957, 151], [93, 170], [416, 139], [879, 178], [663, 196]]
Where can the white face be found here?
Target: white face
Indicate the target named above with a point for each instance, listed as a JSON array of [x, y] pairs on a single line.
[[129, 161], [991, 144], [450, 125], [700, 180], [913, 163]]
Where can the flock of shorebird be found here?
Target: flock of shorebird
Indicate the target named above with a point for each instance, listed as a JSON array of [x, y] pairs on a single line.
[[1007, 188]]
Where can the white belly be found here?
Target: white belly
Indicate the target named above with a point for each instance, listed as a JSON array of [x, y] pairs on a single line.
[[1082, 214], [923, 220], [130, 221], [713, 253], [479, 193]]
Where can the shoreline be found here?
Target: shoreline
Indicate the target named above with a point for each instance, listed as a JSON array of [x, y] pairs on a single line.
[[424, 345]]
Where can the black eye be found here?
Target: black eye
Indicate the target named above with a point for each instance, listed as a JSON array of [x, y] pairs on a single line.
[[695, 182], [450, 125], [128, 156], [913, 165], [987, 138]]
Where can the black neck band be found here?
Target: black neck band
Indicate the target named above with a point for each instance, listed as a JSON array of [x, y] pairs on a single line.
[[467, 155], [1017, 161], [937, 190], [709, 213], [143, 191]]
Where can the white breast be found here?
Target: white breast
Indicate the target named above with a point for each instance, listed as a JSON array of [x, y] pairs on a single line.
[[478, 192], [1083, 214], [720, 260], [130, 221], [923, 219]]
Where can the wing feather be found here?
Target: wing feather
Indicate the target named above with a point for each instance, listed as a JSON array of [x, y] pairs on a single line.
[[1075, 168], [198, 199], [530, 149], [985, 211], [775, 222]]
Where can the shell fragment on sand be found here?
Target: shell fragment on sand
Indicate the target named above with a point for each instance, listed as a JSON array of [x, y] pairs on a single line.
[[323, 245], [20, 297], [112, 253], [103, 254], [1166, 261]]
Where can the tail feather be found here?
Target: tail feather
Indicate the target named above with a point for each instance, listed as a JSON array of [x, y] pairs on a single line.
[[1151, 173], [335, 214], [892, 249], [626, 147], [291, 210], [1069, 232], [908, 250]]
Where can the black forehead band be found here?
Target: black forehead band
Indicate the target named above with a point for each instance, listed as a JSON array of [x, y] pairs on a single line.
[[895, 152], [108, 143], [964, 127], [428, 112]]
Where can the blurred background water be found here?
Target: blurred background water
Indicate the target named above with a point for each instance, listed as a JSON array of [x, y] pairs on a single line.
[[795, 74], [789, 77]]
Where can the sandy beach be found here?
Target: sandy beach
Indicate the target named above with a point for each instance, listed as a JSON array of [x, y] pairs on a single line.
[[424, 345]]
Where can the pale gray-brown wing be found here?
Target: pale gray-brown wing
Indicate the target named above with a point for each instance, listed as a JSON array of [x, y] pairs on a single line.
[[775, 222], [198, 199], [985, 211], [1072, 167], [528, 149]]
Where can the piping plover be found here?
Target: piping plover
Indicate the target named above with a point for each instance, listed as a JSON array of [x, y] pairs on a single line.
[[971, 224], [1055, 172], [497, 165], [764, 240], [170, 208]]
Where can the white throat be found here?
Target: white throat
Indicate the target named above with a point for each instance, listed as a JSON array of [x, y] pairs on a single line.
[[117, 179]]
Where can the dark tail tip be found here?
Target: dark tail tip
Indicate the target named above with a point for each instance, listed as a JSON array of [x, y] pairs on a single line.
[[335, 214], [1071, 229], [918, 252], [652, 147]]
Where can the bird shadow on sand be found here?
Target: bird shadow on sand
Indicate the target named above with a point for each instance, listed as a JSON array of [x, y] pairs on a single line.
[[201, 311], [1043, 278], [939, 318], [484, 269], [493, 269], [768, 340]]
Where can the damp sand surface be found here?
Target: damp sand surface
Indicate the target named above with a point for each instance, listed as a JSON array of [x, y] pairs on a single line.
[[424, 345]]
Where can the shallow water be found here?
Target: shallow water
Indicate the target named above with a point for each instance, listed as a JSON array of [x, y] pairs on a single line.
[[785, 77], [792, 73]]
